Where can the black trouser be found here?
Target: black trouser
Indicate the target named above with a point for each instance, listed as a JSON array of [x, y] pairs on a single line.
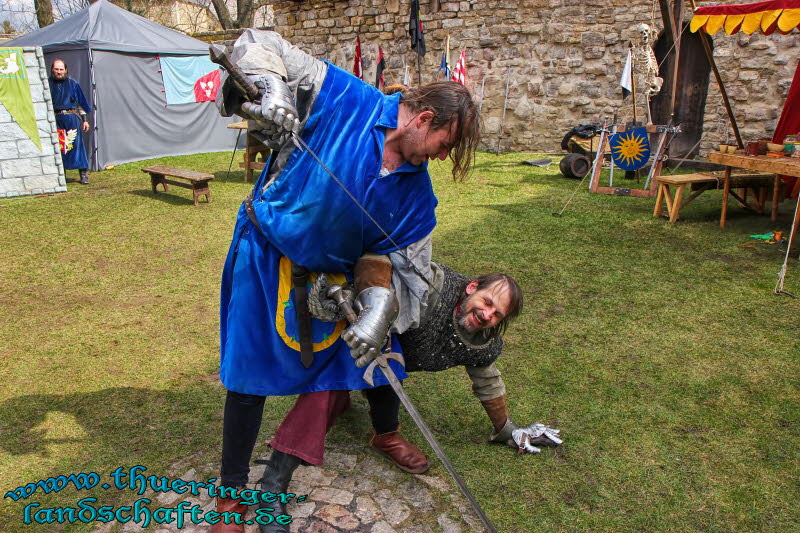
[[243, 413], [384, 406]]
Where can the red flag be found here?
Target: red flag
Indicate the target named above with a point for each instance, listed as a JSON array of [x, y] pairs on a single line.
[[379, 72], [357, 60], [206, 87], [460, 70]]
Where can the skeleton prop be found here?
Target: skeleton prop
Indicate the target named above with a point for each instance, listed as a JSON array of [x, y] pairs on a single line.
[[646, 60]]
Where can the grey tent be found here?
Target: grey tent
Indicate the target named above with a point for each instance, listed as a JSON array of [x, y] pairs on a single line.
[[114, 55]]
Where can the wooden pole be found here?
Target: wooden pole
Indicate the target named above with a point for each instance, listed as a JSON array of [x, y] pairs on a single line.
[[795, 224], [480, 102], [676, 67], [633, 81], [503, 120], [419, 72], [707, 47], [785, 266], [667, 18]]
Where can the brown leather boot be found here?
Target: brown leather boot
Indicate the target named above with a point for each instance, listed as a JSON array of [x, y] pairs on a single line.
[[231, 506], [405, 455]]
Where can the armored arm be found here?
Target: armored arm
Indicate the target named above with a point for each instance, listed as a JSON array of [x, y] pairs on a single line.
[[287, 81], [376, 306]]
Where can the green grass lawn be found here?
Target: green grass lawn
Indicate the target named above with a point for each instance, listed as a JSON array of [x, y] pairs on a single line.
[[658, 349]]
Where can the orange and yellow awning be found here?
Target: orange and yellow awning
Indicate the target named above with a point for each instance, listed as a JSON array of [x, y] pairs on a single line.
[[774, 15]]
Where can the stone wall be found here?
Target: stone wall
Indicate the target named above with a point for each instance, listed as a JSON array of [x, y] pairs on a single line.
[[23, 168], [564, 59]]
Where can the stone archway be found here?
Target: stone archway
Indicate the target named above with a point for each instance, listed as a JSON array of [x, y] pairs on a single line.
[[692, 90]]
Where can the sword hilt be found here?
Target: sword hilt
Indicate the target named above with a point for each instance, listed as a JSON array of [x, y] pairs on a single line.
[[382, 360], [335, 292], [218, 55]]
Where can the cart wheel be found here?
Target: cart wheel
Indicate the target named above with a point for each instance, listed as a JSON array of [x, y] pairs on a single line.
[[575, 166]]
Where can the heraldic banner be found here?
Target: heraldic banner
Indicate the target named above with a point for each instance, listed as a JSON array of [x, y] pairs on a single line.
[[189, 80], [15, 92]]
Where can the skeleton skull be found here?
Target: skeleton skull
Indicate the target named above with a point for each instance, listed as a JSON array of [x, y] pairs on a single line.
[[644, 32]]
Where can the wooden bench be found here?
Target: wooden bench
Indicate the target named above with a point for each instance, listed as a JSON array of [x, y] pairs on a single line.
[[198, 181], [704, 181]]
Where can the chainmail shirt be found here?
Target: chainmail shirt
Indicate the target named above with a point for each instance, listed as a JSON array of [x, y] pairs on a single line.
[[438, 344]]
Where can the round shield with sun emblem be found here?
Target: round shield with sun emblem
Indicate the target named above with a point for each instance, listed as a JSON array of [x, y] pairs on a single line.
[[630, 149]]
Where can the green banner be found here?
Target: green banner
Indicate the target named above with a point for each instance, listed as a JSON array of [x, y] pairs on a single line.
[[15, 92]]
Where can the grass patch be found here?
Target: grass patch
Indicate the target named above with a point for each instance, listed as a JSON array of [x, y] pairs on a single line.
[[657, 348]]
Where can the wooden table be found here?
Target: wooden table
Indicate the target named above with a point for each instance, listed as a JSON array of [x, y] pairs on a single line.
[[252, 149], [704, 181], [788, 166]]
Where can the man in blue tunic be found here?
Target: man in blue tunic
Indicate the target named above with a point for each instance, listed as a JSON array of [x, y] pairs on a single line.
[[71, 109], [298, 221]]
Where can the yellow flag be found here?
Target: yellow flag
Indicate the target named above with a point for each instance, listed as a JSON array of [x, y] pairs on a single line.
[[15, 92]]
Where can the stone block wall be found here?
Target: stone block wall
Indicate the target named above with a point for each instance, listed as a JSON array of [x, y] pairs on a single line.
[[24, 169], [564, 59]]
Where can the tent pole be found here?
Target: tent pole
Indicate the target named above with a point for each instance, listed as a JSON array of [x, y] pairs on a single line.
[[95, 160], [707, 47]]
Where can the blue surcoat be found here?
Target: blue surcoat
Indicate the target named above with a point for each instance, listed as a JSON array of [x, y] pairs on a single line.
[[67, 95], [305, 217]]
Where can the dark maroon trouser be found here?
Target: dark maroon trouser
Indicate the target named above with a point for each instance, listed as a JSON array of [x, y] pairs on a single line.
[[302, 432]]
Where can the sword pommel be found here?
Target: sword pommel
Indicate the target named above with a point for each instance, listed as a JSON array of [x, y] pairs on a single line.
[[218, 55], [335, 292]]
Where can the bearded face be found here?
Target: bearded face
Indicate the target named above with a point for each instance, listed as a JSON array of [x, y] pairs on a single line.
[[59, 70], [483, 308]]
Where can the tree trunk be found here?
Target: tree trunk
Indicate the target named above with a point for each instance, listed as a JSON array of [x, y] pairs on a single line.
[[244, 13], [223, 14], [44, 12]]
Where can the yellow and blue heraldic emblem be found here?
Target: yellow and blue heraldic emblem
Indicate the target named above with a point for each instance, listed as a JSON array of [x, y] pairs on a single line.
[[630, 149], [323, 334]]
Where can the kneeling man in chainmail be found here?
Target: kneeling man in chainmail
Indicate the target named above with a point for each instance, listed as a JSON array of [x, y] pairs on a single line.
[[462, 325]]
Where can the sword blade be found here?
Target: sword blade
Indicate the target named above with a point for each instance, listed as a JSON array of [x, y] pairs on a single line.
[[426, 432]]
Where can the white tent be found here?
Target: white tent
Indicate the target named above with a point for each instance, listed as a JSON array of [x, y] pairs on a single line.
[[114, 55]]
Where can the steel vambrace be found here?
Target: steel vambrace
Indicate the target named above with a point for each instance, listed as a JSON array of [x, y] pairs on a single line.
[[377, 308]]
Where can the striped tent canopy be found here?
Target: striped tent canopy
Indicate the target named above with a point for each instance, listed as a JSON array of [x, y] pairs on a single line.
[[782, 16]]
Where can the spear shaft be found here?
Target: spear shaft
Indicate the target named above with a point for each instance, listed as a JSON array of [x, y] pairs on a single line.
[[503, 119]]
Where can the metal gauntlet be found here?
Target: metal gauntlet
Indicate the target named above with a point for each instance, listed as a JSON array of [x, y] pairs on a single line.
[[377, 308], [276, 115]]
